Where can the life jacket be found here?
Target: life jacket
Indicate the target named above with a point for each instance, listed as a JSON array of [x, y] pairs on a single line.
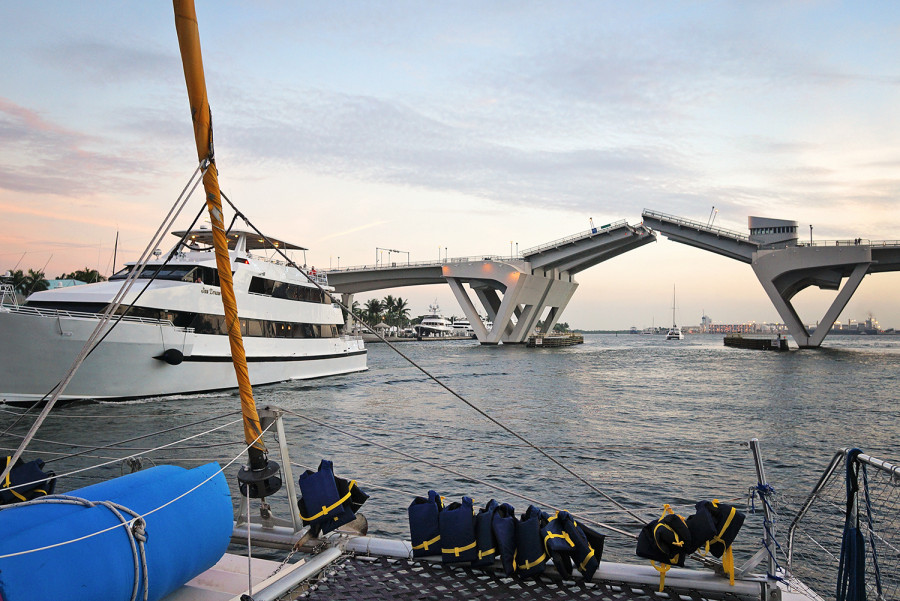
[[503, 526], [328, 502], [667, 541], [424, 524], [485, 542], [37, 482], [457, 525], [721, 522], [530, 558], [587, 542], [557, 542]]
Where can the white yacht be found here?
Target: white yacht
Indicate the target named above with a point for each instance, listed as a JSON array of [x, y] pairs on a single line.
[[462, 327], [434, 324], [174, 339]]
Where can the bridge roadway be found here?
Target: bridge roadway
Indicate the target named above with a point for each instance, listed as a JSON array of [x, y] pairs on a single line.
[[785, 265], [514, 292]]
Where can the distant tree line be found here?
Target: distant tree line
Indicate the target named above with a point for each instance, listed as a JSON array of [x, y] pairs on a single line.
[[34, 281], [394, 311]]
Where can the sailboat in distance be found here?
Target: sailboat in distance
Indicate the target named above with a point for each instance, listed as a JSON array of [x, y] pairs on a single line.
[[674, 332]]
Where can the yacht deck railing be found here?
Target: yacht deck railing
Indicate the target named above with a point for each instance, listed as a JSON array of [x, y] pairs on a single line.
[[54, 313]]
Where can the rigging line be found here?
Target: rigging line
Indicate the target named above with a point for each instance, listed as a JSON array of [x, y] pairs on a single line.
[[586, 446], [142, 516], [90, 448], [105, 463], [449, 470], [129, 416], [440, 383], [173, 213], [113, 445]]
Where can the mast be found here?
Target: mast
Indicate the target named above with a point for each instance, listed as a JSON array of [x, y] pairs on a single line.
[[261, 484]]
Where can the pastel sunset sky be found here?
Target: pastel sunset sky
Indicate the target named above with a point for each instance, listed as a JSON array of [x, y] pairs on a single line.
[[475, 127]]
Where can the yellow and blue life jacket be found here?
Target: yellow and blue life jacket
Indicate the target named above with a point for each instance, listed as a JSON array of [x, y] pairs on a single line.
[[485, 542], [424, 524], [588, 544], [721, 523], [457, 525], [530, 558], [504, 527], [37, 483], [666, 540], [557, 542], [328, 502]]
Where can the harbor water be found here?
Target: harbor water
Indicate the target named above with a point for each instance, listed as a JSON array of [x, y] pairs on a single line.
[[645, 420]]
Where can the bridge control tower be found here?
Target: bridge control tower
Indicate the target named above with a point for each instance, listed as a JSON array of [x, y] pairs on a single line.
[[785, 265]]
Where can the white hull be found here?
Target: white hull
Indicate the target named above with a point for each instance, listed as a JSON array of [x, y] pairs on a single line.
[[38, 349]]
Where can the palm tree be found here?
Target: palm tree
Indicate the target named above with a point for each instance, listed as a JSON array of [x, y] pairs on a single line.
[[401, 311], [17, 279], [374, 309], [388, 307], [34, 282], [84, 275]]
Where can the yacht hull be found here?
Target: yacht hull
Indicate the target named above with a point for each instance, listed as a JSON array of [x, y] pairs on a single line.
[[39, 348]]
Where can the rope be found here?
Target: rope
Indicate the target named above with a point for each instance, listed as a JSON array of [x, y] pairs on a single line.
[[142, 516], [174, 211], [451, 471], [764, 491], [116, 460], [135, 531], [438, 381]]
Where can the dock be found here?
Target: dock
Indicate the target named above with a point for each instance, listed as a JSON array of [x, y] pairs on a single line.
[[759, 343], [554, 341]]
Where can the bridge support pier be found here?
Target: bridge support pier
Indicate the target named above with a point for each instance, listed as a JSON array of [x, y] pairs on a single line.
[[347, 299], [525, 298], [785, 272]]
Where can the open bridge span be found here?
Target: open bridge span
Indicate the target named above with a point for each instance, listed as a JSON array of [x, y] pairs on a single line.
[[785, 265], [515, 292]]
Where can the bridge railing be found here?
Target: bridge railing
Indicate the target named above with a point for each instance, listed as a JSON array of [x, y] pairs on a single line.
[[719, 231], [402, 264], [860, 242], [574, 237]]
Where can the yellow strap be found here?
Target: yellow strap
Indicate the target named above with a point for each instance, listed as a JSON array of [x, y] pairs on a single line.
[[483, 554], [457, 550], [330, 508], [428, 543], [564, 536], [586, 559], [662, 568], [530, 564], [728, 557], [728, 565], [7, 483]]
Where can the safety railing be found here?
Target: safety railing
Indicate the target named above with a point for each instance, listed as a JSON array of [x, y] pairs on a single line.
[[575, 237], [438, 263], [54, 313], [816, 535], [718, 231], [854, 242]]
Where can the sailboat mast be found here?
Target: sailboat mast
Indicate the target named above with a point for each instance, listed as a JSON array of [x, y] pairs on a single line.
[[189, 43]]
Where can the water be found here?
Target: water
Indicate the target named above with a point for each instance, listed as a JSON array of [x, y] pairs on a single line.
[[644, 420]]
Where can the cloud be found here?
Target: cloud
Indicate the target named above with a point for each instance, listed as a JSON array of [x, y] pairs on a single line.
[[42, 157]]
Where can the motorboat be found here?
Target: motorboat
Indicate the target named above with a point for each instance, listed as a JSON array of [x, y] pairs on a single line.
[[172, 335], [434, 324]]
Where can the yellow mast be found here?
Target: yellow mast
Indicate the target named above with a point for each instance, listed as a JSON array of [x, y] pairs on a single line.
[[189, 43]]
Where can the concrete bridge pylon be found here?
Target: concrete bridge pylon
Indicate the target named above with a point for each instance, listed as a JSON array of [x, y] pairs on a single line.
[[784, 265]]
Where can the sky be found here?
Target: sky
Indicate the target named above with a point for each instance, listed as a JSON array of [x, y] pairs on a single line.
[[464, 128]]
